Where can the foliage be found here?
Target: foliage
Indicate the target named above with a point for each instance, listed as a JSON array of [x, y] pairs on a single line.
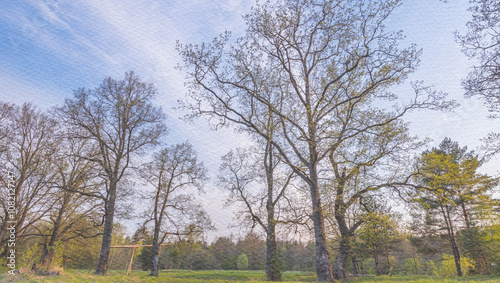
[[451, 186], [185, 255], [431, 268], [278, 264], [29, 257], [369, 266], [223, 251], [297, 255], [451, 174], [310, 80], [254, 247], [482, 244], [58, 258], [143, 235], [479, 245], [81, 253], [223, 254], [242, 262], [448, 268], [377, 237], [411, 266]]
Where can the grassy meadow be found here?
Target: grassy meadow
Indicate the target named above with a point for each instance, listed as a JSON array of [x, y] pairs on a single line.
[[220, 276]]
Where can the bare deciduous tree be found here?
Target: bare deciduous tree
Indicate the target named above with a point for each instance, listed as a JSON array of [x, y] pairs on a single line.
[[259, 181], [119, 119], [376, 159], [319, 67], [29, 152], [482, 42], [74, 213], [173, 170], [5, 114]]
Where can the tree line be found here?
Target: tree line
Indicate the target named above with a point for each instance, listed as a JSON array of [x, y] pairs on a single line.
[[309, 83]]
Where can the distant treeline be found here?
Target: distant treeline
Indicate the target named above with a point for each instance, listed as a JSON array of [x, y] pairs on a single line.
[[424, 255]]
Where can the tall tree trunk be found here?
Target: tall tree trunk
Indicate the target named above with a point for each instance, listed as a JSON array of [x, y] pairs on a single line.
[[102, 264], [466, 215], [48, 252], [377, 261], [155, 253], [323, 266], [339, 267], [451, 234], [273, 272]]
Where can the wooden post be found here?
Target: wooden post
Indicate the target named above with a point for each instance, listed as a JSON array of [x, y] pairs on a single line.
[[159, 258], [111, 258], [130, 264]]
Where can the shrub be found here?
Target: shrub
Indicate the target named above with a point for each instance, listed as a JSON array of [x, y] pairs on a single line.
[[369, 266], [242, 262], [411, 266], [431, 268], [448, 267]]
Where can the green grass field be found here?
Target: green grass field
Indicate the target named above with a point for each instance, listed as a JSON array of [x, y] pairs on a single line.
[[221, 276]]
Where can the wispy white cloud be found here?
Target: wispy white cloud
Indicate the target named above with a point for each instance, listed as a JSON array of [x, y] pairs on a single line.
[[94, 39]]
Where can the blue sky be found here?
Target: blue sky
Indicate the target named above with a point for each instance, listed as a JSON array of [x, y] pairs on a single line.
[[50, 48]]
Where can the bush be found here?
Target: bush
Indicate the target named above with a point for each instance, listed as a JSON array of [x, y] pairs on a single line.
[[411, 266], [242, 262], [369, 266], [431, 268], [30, 256], [448, 267]]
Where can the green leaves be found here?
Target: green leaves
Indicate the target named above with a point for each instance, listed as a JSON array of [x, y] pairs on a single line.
[[449, 177], [242, 262]]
